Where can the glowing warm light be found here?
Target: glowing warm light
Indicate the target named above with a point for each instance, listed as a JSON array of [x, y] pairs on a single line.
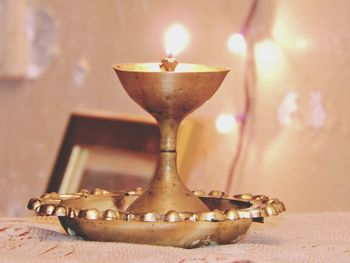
[[301, 43], [287, 40], [237, 44], [225, 123], [267, 55], [280, 34], [176, 39], [288, 107]]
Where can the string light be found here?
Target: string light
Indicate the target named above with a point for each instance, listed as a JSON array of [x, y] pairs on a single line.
[[267, 56], [237, 44], [249, 85], [225, 123]]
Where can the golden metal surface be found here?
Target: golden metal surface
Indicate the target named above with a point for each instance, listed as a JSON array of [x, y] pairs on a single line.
[[169, 97], [103, 216], [167, 213]]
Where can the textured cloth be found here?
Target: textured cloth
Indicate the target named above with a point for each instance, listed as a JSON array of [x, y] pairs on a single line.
[[312, 237]]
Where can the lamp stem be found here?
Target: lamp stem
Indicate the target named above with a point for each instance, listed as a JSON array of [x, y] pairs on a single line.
[[168, 134]]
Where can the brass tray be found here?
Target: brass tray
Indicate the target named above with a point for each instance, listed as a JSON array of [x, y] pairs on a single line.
[[102, 215]]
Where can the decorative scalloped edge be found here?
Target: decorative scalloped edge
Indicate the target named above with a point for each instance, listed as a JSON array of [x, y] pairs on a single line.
[[49, 204]]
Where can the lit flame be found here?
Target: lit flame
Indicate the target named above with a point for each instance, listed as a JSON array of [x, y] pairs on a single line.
[[176, 39]]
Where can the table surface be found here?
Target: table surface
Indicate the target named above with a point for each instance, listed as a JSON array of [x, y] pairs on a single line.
[[307, 237]]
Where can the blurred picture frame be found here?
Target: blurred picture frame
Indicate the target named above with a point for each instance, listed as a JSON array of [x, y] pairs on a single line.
[[102, 150]]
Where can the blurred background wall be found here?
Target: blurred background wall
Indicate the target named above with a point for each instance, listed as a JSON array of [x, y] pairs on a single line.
[[57, 57]]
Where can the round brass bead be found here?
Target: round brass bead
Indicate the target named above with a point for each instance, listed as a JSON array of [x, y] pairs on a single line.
[[245, 196], [97, 191], [60, 211], [271, 210], [150, 217], [244, 214], [46, 209], [131, 217], [199, 193], [272, 200], [217, 194], [261, 198], [72, 213], [37, 210], [194, 217], [110, 214], [50, 209], [34, 203], [232, 214], [184, 215], [40, 210], [212, 216], [172, 216], [279, 206], [90, 214]]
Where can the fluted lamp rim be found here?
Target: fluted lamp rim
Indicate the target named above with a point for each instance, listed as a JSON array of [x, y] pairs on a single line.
[[182, 68]]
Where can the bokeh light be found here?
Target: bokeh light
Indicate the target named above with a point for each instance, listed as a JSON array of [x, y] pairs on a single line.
[[237, 44], [225, 123]]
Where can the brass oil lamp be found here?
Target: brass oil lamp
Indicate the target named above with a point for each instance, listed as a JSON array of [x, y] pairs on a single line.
[[167, 213]]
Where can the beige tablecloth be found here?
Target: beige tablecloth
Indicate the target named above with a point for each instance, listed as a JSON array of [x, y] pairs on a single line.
[[312, 237]]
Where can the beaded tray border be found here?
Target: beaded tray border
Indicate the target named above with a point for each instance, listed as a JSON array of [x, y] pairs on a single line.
[[256, 207]]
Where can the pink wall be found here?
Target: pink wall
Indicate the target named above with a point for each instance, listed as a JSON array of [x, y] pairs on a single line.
[[304, 162]]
